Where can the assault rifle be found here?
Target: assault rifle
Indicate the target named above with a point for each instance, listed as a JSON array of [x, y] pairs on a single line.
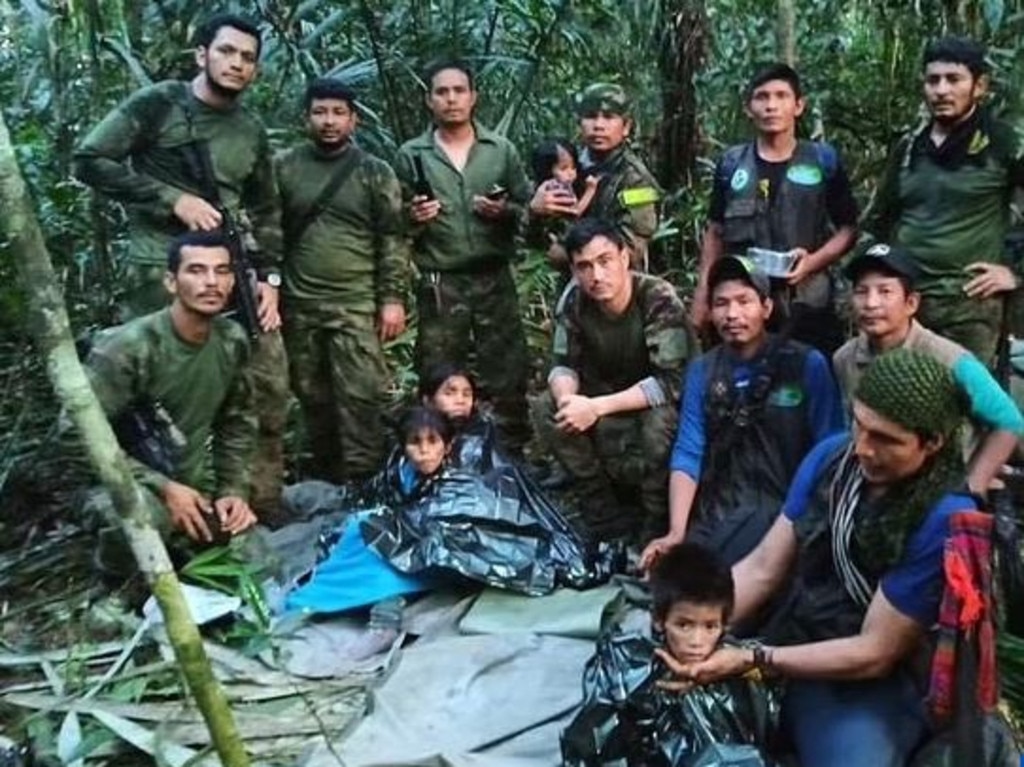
[[147, 433], [244, 301]]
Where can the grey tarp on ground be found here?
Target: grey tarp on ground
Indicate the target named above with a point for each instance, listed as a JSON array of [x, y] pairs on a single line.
[[565, 612], [495, 700]]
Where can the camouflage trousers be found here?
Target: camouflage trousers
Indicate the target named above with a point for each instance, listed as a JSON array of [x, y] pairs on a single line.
[[145, 293], [339, 374], [618, 457], [972, 323], [474, 319]]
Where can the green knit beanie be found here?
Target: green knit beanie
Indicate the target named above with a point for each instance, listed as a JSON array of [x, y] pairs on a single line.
[[914, 390]]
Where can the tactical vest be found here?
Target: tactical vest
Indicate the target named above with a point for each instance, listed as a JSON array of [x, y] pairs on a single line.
[[755, 443], [797, 217], [819, 605]]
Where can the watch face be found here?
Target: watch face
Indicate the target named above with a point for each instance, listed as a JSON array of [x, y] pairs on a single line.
[[274, 280]]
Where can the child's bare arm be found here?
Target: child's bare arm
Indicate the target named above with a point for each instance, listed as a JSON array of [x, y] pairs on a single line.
[[588, 195]]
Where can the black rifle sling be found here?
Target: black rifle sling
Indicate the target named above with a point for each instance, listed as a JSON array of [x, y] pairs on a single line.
[[200, 152], [347, 165]]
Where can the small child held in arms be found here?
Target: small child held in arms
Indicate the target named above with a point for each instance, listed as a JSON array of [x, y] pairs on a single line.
[[628, 718], [555, 163]]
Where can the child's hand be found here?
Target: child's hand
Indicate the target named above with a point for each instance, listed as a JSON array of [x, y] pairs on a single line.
[[591, 182]]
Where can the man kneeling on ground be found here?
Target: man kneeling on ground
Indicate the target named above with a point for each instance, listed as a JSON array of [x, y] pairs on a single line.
[[190, 366], [609, 414]]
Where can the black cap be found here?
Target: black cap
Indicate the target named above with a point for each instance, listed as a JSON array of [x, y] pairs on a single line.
[[889, 259], [738, 268]]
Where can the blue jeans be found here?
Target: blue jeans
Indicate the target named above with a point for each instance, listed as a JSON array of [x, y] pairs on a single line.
[[874, 723]]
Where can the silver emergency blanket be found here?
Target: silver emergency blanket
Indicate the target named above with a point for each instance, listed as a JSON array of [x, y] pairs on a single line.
[[494, 526], [627, 720]]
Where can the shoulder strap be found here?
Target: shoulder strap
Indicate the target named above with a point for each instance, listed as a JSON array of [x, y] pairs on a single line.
[[199, 150], [346, 167]]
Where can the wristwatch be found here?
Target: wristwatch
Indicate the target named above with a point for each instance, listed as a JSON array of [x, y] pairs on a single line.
[[273, 280]]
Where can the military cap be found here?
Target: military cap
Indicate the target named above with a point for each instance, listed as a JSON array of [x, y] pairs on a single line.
[[603, 97]]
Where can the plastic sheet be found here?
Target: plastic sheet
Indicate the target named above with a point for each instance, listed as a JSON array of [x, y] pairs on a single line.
[[627, 720], [495, 526]]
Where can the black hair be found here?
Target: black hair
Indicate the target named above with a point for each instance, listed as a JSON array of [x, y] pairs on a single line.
[[957, 50], [775, 71], [582, 232], [214, 239], [329, 88], [432, 380], [545, 156], [419, 418], [690, 572], [439, 65], [207, 31]]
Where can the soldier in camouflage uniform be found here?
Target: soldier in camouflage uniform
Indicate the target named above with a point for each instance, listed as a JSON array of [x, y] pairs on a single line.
[[627, 193], [466, 212], [193, 364], [345, 278], [610, 411], [141, 155], [945, 199]]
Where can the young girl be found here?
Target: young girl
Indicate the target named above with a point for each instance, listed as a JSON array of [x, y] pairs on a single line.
[[352, 574], [451, 390], [556, 163]]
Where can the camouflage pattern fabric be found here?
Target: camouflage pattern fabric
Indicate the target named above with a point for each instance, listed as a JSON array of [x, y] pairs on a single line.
[[465, 317], [206, 391], [628, 196], [269, 371], [972, 323], [137, 156], [339, 374], [270, 379], [622, 455]]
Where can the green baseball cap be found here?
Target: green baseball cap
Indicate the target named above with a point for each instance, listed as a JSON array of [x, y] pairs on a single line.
[[603, 97]]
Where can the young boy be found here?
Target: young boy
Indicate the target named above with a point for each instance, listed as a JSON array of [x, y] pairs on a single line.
[[627, 718]]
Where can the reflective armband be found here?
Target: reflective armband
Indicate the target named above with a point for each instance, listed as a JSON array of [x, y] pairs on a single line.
[[639, 195]]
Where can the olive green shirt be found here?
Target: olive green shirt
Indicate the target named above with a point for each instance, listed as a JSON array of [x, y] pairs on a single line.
[[206, 390], [353, 256], [949, 217], [459, 239], [138, 155], [647, 344]]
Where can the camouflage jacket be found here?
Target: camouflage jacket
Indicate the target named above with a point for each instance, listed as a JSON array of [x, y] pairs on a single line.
[[647, 344], [458, 239], [139, 155], [206, 390], [353, 256], [627, 195]]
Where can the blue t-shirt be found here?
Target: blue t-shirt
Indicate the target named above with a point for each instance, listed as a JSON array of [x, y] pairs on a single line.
[[824, 410], [914, 585]]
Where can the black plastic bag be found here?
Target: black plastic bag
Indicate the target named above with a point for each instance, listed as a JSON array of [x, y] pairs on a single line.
[[495, 527], [627, 720]]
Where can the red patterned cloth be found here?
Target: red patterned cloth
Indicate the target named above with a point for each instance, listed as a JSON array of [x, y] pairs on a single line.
[[967, 613]]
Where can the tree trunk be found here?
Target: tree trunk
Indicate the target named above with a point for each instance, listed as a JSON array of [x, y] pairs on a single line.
[[785, 35], [683, 46], [52, 332]]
